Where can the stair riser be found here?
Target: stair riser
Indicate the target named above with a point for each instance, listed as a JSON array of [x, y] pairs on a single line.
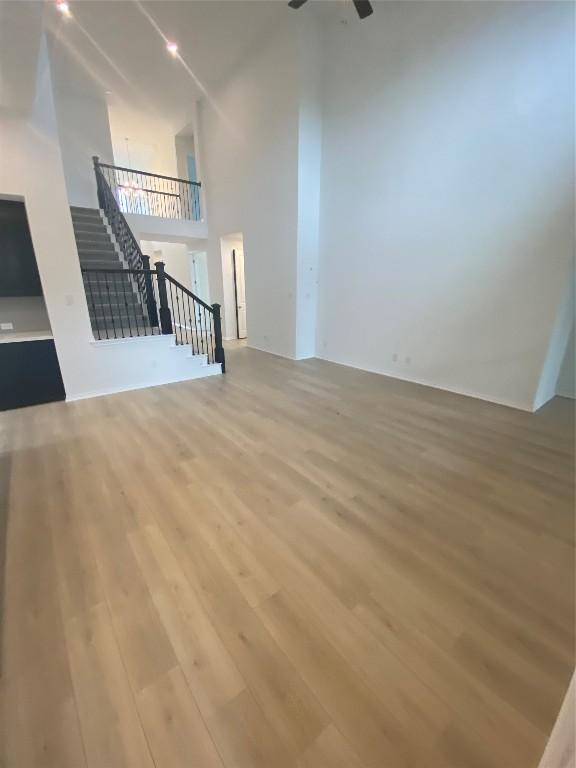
[[101, 296], [85, 213], [99, 253], [123, 331], [101, 265], [116, 308], [93, 240], [120, 320], [87, 230], [88, 223]]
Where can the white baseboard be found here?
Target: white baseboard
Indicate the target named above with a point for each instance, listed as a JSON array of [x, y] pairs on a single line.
[[465, 393], [214, 369], [268, 352]]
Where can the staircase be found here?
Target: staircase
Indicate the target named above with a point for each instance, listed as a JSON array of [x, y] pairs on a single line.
[[129, 300], [97, 251]]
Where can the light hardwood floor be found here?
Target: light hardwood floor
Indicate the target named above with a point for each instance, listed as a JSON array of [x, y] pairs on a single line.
[[295, 565]]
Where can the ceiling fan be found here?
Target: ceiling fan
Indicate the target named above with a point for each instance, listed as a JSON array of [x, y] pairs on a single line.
[[363, 7]]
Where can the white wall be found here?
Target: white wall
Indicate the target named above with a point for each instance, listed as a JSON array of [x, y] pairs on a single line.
[[165, 230], [447, 213], [309, 175], [261, 148], [176, 258], [31, 168], [26, 313], [82, 120], [566, 385], [249, 139], [557, 347], [184, 146], [150, 145]]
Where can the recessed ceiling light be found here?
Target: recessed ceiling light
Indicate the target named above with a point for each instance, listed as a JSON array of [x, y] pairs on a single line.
[[64, 8], [172, 48]]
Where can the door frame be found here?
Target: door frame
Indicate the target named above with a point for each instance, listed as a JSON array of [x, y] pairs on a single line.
[[235, 292]]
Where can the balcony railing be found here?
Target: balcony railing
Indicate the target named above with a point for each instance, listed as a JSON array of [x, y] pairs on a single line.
[[151, 194]]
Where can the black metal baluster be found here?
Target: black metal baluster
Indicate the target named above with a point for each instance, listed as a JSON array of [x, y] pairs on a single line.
[[128, 280], [212, 337], [204, 332], [157, 299], [207, 332], [192, 323], [103, 297], [122, 194], [138, 311], [117, 282], [88, 282], [180, 301], [109, 313], [174, 320], [194, 332], [176, 323], [201, 318], [177, 292], [186, 323]]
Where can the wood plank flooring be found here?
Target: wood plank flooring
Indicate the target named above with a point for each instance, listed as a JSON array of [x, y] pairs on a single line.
[[297, 565]]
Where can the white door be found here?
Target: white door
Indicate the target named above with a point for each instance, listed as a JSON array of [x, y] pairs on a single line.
[[240, 291], [199, 272]]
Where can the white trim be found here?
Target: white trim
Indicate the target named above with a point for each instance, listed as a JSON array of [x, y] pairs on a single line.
[[561, 747], [268, 352], [214, 369], [475, 395], [129, 339], [16, 337]]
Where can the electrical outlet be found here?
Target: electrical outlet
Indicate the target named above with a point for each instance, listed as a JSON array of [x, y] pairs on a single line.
[[395, 357], [6, 326]]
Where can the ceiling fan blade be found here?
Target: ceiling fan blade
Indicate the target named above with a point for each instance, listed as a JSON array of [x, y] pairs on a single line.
[[363, 8], [296, 3]]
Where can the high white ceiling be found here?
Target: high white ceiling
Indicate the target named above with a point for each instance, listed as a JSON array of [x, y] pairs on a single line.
[[20, 29], [122, 44]]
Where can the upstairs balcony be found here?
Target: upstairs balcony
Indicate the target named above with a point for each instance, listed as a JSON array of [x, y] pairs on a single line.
[[155, 205]]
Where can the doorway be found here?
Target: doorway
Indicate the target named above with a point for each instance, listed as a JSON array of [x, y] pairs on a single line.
[[239, 291], [234, 285], [199, 273]]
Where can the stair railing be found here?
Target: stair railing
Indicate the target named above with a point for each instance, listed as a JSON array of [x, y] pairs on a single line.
[[180, 312], [152, 194], [128, 244], [122, 232], [192, 320]]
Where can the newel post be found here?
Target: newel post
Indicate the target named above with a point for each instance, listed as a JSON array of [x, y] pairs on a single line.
[[218, 348], [100, 191], [165, 316], [149, 293]]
